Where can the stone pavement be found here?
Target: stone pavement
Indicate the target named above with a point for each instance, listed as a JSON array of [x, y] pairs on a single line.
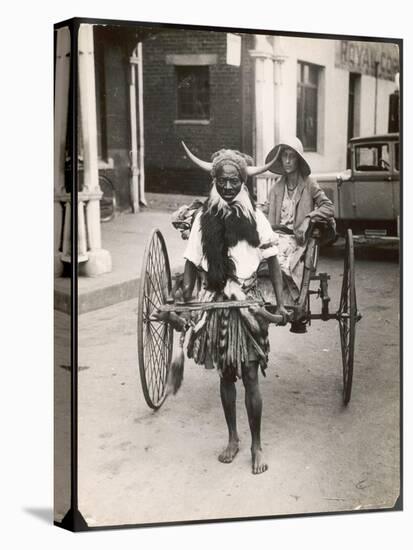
[[141, 466], [125, 237]]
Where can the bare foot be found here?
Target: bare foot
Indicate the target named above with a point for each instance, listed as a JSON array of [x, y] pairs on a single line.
[[258, 465], [229, 453]]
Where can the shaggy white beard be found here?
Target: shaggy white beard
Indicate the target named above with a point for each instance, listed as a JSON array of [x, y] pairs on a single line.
[[240, 205]]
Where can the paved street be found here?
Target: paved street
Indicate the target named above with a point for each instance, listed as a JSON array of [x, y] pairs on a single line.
[[139, 466]]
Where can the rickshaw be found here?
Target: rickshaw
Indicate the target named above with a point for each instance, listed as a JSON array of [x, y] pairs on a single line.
[[156, 300]]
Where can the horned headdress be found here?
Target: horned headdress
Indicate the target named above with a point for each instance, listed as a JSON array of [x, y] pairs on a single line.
[[231, 157]]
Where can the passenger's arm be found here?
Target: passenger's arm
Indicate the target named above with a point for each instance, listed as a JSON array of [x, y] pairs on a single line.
[[323, 211], [323, 207], [301, 232]]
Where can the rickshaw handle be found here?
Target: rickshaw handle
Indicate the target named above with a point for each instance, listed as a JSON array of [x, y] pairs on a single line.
[[181, 307]]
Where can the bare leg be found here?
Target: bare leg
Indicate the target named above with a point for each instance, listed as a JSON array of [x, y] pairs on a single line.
[[253, 404], [228, 400]]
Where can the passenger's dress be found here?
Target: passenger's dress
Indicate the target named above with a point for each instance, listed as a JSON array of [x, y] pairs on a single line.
[[289, 251]]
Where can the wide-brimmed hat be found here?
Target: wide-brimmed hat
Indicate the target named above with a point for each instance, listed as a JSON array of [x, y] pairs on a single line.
[[292, 143]]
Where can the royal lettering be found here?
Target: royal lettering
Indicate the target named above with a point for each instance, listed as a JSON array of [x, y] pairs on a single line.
[[362, 57]]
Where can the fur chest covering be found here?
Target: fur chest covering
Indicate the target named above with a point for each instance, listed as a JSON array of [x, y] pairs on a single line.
[[223, 225]]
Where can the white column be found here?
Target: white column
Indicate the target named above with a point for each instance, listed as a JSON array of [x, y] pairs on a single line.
[[264, 105], [67, 232], [81, 231], [134, 185], [264, 97], [87, 94], [62, 77], [279, 58], [137, 155], [99, 260], [141, 128]]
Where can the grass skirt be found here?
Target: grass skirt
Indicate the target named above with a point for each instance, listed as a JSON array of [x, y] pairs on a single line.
[[227, 337]]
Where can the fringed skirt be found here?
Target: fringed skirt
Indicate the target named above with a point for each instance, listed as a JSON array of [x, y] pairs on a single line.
[[229, 338]]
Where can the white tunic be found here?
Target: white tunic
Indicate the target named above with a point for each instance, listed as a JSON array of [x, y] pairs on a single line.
[[246, 258]]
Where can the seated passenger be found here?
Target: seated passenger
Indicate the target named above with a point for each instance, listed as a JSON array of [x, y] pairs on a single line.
[[295, 200]]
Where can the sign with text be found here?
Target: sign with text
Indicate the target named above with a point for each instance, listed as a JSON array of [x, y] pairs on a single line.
[[368, 57]]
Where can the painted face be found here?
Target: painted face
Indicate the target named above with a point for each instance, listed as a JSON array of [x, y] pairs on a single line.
[[228, 182], [289, 159]]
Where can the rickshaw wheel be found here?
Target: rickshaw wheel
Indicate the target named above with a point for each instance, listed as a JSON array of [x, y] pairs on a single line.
[[348, 317], [155, 338]]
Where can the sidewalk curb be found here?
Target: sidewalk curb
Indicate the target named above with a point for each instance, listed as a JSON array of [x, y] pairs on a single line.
[[102, 297], [97, 299]]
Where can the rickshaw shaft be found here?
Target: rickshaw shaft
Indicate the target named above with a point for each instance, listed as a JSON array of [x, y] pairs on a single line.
[[194, 306]]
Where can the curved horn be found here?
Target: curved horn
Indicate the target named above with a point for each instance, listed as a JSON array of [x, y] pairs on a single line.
[[207, 166], [255, 170]]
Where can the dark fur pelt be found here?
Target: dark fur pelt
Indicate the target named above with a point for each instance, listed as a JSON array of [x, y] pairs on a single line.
[[221, 230]]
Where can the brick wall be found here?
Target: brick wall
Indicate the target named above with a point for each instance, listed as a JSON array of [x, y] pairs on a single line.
[[167, 169], [166, 165]]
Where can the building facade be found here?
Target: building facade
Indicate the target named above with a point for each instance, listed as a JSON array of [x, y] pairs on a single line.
[[214, 89], [330, 91], [193, 94]]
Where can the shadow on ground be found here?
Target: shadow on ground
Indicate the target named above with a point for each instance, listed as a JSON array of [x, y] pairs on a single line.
[[44, 514]]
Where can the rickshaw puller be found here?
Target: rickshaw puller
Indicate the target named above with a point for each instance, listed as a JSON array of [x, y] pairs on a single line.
[[228, 240]]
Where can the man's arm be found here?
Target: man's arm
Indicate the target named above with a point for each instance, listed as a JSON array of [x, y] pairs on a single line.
[[277, 283], [189, 280]]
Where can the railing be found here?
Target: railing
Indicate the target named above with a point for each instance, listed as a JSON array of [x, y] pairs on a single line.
[[327, 181]]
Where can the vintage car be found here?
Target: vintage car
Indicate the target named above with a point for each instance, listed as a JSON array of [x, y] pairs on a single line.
[[367, 195]]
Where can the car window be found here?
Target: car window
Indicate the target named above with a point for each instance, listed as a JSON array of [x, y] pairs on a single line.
[[372, 158]]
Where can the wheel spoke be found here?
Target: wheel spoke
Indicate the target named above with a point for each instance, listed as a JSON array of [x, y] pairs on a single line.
[[157, 358], [155, 354], [155, 307], [155, 282], [158, 273], [156, 329], [155, 338], [158, 266], [155, 291], [151, 370], [347, 317], [157, 348]]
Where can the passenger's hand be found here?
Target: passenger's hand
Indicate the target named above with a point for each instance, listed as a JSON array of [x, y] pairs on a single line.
[[302, 231]]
